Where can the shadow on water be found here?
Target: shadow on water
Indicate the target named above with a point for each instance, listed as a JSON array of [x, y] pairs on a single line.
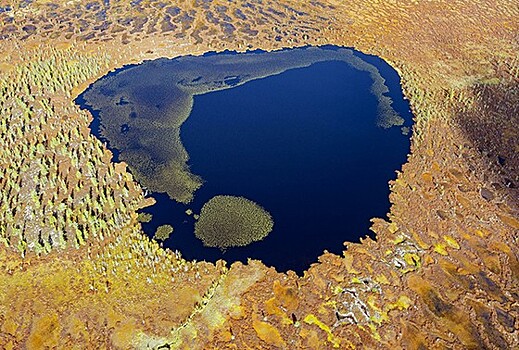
[[299, 133]]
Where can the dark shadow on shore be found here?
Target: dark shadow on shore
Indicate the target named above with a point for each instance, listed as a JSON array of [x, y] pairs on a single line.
[[491, 125]]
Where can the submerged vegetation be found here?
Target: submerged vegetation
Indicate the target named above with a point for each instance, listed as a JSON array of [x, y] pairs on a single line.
[[142, 108], [228, 221]]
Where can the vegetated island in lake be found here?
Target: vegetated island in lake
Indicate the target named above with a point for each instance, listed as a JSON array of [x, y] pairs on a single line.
[[305, 133], [228, 221]]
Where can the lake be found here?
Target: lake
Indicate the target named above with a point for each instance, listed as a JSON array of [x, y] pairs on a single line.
[[312, 135]]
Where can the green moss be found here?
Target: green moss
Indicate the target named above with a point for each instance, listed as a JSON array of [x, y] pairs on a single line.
[[144, 217], [163, 232], [227, 221]]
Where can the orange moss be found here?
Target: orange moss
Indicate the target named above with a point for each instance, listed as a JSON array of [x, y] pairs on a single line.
[[124, 334], [268, 333], [451, 318], [45, 332], [459, 69]]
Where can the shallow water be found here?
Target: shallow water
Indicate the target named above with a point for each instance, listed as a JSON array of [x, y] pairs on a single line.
[[302, 140]]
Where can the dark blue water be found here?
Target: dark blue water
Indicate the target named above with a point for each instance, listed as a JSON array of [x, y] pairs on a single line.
[[304, 145]]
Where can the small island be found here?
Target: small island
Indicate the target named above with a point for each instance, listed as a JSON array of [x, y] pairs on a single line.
[[228, 221], [163, 232]]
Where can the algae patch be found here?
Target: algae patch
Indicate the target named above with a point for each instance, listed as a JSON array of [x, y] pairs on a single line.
[[228, 221]]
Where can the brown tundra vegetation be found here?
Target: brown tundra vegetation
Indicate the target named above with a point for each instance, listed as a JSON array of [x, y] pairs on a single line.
[[76, 271]]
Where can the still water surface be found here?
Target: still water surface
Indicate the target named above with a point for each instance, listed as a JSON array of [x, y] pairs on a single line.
[[305, 145]]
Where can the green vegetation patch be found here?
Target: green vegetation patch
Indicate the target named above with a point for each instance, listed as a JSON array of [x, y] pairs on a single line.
[[144, 217], [163, 232], [228, 221]]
